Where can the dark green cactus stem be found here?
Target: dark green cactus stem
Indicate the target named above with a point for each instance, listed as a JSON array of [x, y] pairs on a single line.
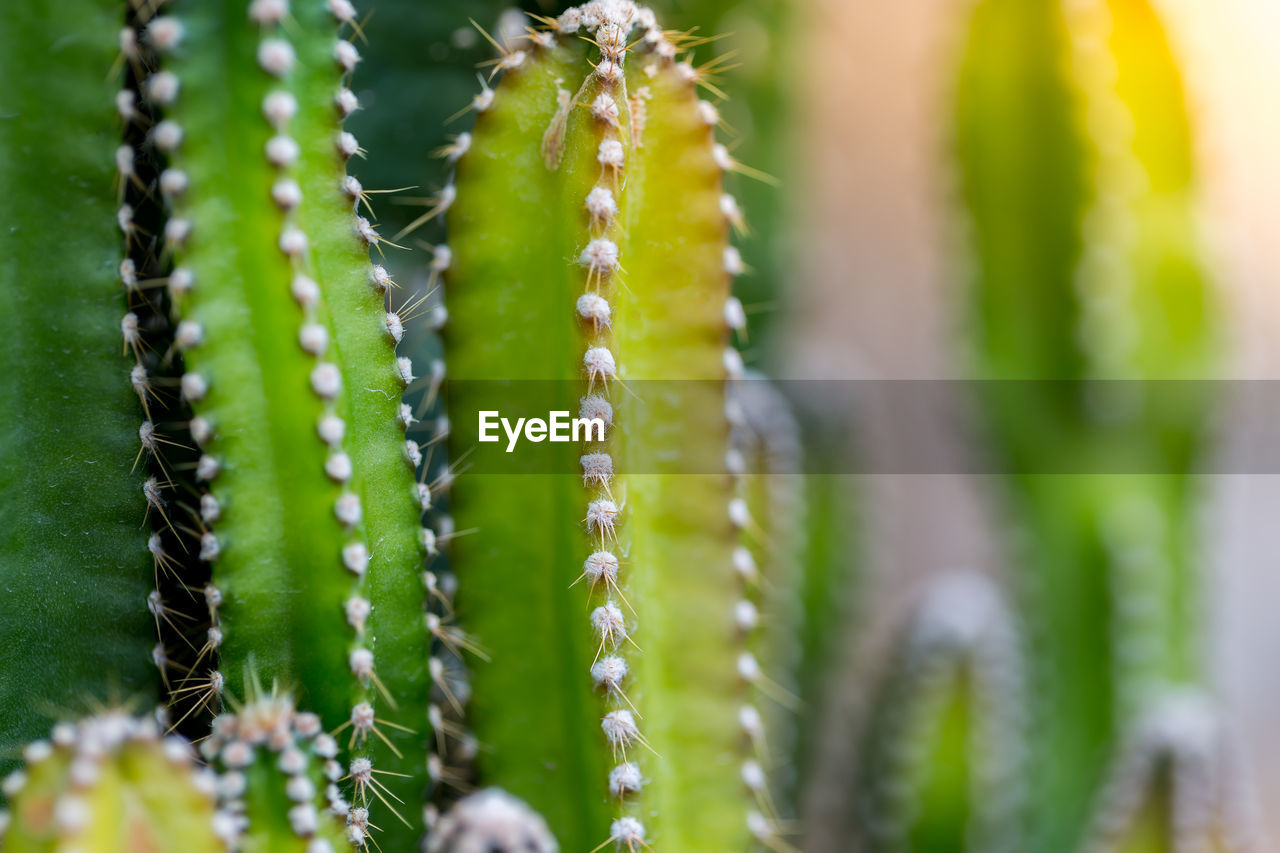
[[308, 511], [943, 753], [73, 559], [1076, 155], [588, 247], [111, 784]]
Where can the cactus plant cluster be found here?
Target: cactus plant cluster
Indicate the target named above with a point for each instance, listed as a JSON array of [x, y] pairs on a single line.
[[228, 495], [254, 516], [582, 579]]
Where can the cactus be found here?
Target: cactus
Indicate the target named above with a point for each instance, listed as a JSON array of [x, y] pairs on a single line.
[[1087, 272], [279, 777], [588, 209], [73, 626], [944, 750], [271, 528], [110, 783], [1175, 785], [491, 820], [302, 500]]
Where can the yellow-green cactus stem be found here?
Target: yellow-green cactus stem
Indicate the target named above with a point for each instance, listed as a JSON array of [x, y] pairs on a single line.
[[112, 783], [302, 500], [587, 236]]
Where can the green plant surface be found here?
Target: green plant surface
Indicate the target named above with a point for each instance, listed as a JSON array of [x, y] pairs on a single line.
[[76, 574], [423, 71], [111, 784], [942, 755], [829, 602], [1174, 785], [755, 54], [309, 509], [1074, 146], [278, 780], [518, 230]]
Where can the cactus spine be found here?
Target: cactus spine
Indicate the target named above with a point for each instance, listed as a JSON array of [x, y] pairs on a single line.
[[73, 623], [597, 148]]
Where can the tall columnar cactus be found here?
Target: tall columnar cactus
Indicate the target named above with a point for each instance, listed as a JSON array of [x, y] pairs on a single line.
[[587, 239], [110, 783], [301, 502], [945, 745], [73, 559], [1076, 155]]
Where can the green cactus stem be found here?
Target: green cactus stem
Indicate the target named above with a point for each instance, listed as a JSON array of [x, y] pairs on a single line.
[[1075, 149], [302, 501], [111, 783], [767, 453], [73, 558], [588, 247], [278, 781], [943, 752]]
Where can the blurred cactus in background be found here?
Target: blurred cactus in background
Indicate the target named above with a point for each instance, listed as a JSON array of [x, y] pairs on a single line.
[[945, 745], [108, 783], [1073, 139]]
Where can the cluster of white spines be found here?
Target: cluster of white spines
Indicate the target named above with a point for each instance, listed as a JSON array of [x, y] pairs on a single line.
[[87, 746], [295, 742], [762, 821], [610, 25]]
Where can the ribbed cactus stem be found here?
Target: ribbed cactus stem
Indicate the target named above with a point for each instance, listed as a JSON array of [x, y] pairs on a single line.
[[279, 776], [73, 560], [588, 242], [1088, 286], [110, 783], [305, 508]]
